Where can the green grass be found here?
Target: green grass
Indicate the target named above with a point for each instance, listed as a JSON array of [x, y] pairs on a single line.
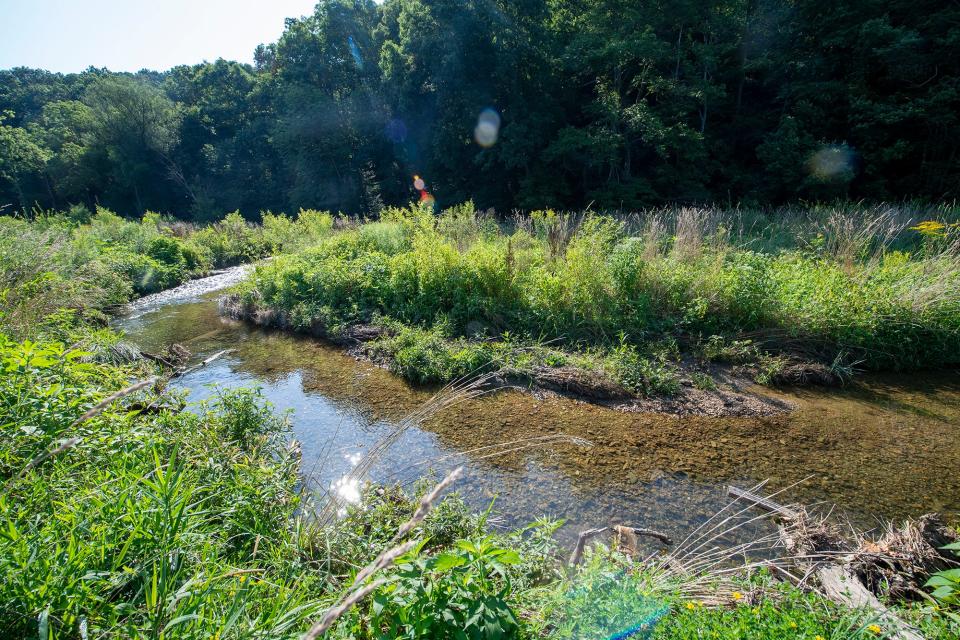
[[795, 285], [60, 263], [147, 520]]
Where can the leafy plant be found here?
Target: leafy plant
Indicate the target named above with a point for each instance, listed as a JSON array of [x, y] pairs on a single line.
[[945, 586], [460, 593]]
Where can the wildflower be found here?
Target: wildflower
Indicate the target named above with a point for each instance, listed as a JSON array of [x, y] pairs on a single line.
[[243, 579], [737, 595], [931, 228], [691, 606], [819, 638], [875, 629], [793, 625]]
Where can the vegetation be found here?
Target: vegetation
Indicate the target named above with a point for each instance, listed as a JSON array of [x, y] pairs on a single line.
[[123, 515], [57, 269], [847, 287], [527, 104], [946, 587], [190, 525]]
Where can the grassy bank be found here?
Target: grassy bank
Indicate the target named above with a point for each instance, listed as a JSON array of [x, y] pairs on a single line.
[[651, 302], [123, 515], [57, 268], [174, 524]]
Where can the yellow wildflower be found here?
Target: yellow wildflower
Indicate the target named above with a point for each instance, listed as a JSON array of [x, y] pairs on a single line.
[[691, 606], [819, 638], [932, 228], [793, 625], [243, 578], [875, 629], [737, 595]]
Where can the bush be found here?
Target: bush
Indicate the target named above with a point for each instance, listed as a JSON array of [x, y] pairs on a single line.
[[584, 281]]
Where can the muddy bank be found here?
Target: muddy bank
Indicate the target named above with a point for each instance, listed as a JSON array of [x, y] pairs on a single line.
[[734, 396]]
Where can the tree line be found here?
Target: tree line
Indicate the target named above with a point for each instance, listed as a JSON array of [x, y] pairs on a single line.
[[614, 104]]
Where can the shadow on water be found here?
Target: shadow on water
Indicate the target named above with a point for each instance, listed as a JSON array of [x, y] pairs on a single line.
[[887, 447]]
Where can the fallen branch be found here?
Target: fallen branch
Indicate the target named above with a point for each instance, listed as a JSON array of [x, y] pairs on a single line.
[[820, 554], [581, 543], [183, 372], [626, 539], [158, 359], [640, 531]]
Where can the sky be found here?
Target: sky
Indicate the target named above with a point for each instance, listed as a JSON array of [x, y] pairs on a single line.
[[130, 35]]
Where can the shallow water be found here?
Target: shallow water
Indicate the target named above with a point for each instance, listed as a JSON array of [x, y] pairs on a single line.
[[886, 447]]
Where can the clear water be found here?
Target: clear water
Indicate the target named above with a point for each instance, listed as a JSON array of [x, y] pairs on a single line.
[[886, 447]]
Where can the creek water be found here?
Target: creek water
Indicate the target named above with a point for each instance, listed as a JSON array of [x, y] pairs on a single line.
[[885, 447]]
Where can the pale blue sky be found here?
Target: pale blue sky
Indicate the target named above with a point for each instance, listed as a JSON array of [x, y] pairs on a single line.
[[71, 35]]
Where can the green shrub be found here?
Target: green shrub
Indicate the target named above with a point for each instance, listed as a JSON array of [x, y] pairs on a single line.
[[460, 593], [945, 586], [645, 375], [431, 356]]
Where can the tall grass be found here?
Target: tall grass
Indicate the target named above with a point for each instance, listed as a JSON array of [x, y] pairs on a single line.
[[60, 267], [830, 282]]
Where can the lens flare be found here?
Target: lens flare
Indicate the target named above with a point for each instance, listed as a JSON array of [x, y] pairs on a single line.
[[355, 52], [834, 163], [488, 128], [420, 185]]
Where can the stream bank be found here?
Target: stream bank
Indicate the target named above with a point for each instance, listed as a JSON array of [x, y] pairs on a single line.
[[729, 393], [884, 447]]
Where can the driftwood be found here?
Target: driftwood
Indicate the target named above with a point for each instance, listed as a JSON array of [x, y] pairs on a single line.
[[626, 538], [182, 372], [158, 359], [826, 557], [900, 562], [177, 355]]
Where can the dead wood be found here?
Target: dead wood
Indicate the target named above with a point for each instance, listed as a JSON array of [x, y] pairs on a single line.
[[899, 563], [819, 551], [582, 540], [626, 540], [158, 359]]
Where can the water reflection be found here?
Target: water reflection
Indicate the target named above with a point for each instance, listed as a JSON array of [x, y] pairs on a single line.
[[889, 448]]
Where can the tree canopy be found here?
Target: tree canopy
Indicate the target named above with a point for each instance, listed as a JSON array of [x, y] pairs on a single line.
[[515, 104]]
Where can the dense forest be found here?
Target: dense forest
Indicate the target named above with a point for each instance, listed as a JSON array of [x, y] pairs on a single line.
[[521, 104]]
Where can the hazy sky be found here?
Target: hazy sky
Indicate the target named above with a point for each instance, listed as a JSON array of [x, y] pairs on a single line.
[[129, 35]]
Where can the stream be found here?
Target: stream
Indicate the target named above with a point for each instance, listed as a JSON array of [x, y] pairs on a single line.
[[884, 447]]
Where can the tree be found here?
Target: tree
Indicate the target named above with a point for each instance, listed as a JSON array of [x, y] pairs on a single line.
[[135, 126], [21, 161]]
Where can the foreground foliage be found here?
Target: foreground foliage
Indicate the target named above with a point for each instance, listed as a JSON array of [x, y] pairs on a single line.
[[190, 524], [141, 517]]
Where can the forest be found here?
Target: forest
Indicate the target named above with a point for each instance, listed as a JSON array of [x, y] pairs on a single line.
[[525, 104]]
